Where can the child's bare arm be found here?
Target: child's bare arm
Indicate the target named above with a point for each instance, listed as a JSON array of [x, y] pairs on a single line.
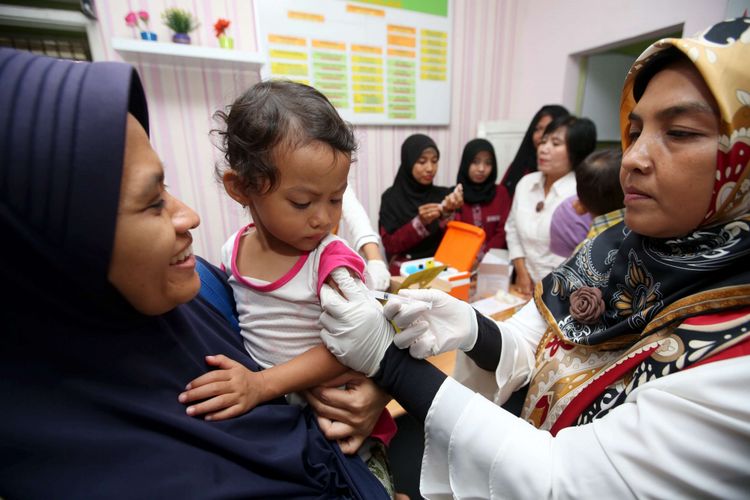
[[232, 389], [307, 370]]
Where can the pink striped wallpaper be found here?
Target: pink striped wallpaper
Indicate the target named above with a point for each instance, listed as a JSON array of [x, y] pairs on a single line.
[[182, 100]]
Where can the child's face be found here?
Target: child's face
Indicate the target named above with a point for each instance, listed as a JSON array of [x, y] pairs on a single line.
[[306, 205]]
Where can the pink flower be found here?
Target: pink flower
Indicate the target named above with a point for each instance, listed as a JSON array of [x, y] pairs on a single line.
[[143, 15], [131, 19], [587, 305]]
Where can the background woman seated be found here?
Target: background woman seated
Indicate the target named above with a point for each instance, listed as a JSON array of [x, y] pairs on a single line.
[[414, 212]]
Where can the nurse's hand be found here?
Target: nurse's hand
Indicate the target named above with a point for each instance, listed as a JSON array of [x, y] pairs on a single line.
[[354, 328], [448, 325]]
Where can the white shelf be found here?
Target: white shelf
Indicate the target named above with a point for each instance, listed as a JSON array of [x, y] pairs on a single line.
[[175, 54]]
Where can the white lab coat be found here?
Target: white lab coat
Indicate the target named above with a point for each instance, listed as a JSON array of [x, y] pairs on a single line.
[[679, 436]]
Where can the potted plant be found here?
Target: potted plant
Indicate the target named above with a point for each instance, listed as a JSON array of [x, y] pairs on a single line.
[[220, 27], [135, 19], [181, 22]]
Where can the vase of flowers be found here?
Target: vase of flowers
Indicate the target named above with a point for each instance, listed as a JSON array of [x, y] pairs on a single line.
[[139, 21], [220, 27], [181, 22]]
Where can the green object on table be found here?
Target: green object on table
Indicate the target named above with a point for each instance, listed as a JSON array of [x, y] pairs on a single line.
[[422, 278]]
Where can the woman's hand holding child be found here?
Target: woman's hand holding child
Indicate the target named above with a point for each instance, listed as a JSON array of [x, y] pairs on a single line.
[[347, 407]]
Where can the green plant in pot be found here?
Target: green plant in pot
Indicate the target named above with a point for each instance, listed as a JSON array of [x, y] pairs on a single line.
[[181, 22]]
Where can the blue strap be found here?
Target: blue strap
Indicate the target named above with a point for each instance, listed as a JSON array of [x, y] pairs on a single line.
[[216, 291]]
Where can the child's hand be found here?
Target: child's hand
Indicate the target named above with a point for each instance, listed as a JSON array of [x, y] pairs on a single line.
[[229, 391]]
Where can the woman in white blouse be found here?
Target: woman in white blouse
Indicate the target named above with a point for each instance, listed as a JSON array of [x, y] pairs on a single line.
[[565, 143]]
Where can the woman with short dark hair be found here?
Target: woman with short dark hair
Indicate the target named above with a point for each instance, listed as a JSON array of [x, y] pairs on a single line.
[[567, 140]]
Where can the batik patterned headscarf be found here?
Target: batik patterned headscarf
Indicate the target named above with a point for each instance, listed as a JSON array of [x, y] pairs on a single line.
[[607, 304]]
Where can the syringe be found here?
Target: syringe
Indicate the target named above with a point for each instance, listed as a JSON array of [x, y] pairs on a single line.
[[377, 294]]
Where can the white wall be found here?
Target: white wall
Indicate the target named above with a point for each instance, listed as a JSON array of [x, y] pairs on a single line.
[[509, 58], [181, 102], [550, 33]]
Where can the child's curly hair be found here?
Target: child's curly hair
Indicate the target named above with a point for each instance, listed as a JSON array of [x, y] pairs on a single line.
[[271, 114]]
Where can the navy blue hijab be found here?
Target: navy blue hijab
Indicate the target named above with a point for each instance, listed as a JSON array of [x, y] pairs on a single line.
[[89, 386]]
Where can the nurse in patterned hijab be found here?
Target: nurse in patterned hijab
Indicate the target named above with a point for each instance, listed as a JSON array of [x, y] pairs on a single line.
[[636, 349], [626, 298]]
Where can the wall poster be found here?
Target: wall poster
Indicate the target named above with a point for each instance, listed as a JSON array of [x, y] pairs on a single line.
[[380, 62]]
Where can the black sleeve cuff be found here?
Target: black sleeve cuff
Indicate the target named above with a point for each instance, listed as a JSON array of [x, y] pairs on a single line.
[[412, 382], [486, 351]]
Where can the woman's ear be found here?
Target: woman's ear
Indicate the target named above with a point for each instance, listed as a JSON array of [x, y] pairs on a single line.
[[234, 188]]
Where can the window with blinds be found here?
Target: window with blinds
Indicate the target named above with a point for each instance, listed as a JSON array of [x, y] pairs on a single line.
[[60, 44]]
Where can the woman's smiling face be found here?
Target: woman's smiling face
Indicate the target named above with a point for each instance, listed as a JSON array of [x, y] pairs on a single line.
[[668, 170], [152, 261]]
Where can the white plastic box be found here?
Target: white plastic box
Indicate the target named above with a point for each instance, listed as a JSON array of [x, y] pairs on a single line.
[[494, 273]]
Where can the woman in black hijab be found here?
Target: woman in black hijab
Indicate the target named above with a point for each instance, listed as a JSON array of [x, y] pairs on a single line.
[[100, 328], [414, 211], [525, 159], [486, 204]]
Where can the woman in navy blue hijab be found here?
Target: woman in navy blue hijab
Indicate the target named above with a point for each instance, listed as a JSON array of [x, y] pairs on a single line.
[[101, 330]]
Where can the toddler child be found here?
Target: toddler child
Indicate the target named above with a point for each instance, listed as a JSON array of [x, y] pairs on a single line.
[[597, 206], [288, 153]]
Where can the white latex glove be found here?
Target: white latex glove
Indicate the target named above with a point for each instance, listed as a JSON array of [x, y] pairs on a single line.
[[377, 276], [354, 328], [450, 324]]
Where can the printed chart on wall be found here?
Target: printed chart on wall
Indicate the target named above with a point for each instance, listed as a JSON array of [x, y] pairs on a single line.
[[380, 62]]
